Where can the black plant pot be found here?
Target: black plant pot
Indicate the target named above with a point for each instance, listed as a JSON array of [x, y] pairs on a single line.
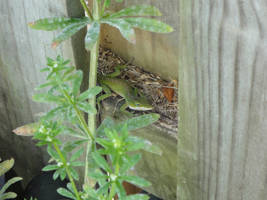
[[43, 187]]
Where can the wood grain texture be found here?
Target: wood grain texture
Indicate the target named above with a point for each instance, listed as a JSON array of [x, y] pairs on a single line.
[[23, 53], [222, 140]]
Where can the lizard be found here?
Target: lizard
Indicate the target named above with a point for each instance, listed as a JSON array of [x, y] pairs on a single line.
[[121, 87]]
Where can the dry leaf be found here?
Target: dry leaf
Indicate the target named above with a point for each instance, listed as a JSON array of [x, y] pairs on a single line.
[[168, 93], [26, 130]]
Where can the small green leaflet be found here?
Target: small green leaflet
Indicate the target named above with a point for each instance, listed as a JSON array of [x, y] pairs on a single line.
[[66, 193], [140, 121], [138, 197], [76, 82], [45, 97], [148, 24], [6, 166], [7, 185], [132, 124], [101, 162], [90, 93], [139, 10], [136, 181], [54, 23], [124, 27], [67, 32]]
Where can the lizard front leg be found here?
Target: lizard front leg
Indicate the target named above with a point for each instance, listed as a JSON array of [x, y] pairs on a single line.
[[123, 109], [107, 94]]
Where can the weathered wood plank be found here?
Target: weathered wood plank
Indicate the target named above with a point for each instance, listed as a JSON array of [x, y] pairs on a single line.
[[222, 99], [23, 53]]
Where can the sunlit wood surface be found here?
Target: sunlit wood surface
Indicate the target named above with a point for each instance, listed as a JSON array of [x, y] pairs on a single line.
[[222, 142]]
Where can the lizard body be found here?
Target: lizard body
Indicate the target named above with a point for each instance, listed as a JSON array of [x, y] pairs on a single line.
[[123, 89]]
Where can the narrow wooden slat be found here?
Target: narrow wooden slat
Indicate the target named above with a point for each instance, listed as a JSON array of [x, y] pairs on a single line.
[[222, 72]]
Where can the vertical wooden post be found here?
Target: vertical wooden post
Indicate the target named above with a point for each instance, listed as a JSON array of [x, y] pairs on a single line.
[[222, 140]]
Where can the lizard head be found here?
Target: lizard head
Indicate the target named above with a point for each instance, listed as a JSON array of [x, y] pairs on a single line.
[[139, 104]]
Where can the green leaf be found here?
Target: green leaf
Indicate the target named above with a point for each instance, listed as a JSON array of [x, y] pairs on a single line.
[[149, 24], [9, 183], [124, 27], [56, 175], [135, 143], [152, 148], [46, 97], [62, 174], [92, 35], [89, 93], [106, 3], [107, 123], [138, 197], [136, 180], [120, 190], [8, 195], [138, 10], [74, 174], [68, 31], [103, 189], [6, 166], [52, 113], [77, 164], [68, 71], [104, 142], [98, 175], [86, 107], [129, 162], [140, 121], [52, 153], [50, 168], [76, 155], [101, 162], [69, 146], [77, 81], [66, 193], [50, 24], [45, 69], [69, 186], [45, 85]]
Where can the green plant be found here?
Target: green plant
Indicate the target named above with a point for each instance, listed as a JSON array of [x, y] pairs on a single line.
[[124, 20], [5, 166], [63, 83], [71, 104], [31, 199]]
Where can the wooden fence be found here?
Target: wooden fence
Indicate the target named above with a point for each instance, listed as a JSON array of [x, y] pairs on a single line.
[[222, 140]]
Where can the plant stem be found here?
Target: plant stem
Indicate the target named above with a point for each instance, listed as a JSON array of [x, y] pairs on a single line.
[[93, 70], [86, 9], [92, 83], [83, 123], [113, 185], [68, 171]]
